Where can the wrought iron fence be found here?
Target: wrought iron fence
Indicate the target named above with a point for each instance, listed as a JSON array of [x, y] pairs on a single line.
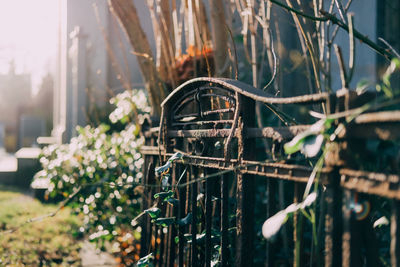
[[232, 178]]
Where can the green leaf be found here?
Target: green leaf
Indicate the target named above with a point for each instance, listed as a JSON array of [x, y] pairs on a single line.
[[310, 199], [218, 145], [381, 221], [172, 201], [200, 238], [165, 222], [176, 156], [153, 212], [296, 144], [272, 226], [165, 182], [386, 87], [362, 85], [387, 91], [308, 138], [200, 197], [185, 221], [146, 261], [104, 128], [312, 145], [164, 169], [164, 195]]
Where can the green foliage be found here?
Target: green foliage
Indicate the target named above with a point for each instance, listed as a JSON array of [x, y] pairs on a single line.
[[146, 261], [164, 195], [107, 165], [153, 212], [49, 242], [309, 142], [128, 103], [272, 226]]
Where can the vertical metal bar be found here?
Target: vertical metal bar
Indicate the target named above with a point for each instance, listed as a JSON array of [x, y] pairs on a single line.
[[164, 245], [194, 259], [208, 218], [298, 223], [352, 234], [333, 221], [224, 220], [244, 220], [155, 244], [245, 189], [182, 214], [271, 189], [187, 209], [370, 242], [347, 220], [147, 225], [174, 211], [145, 242], [395, 234]]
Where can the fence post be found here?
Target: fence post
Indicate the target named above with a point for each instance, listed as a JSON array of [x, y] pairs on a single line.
[[298, 227], [395, 234], [245, 189], [350, 249], [224, 220], [333, 220]]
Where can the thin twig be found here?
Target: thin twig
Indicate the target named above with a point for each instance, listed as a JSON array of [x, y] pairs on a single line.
[[330, 17], [343, 74], [390, 47], [358, 35], [275, 63], [352, 48], [309, 48], [298, 12], [235, 52], [341, 10]]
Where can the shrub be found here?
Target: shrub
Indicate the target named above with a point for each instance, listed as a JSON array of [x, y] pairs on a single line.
[[105, 167]]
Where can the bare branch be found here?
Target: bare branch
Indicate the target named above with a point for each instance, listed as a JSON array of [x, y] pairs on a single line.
[[342, 69]]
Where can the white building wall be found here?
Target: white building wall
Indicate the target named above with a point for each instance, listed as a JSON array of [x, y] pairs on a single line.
[[100, 74]]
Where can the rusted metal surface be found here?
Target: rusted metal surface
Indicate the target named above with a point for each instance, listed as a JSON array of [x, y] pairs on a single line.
[[208, 223], [211, 122], [275, 133], [395, 234], [246, 90], [224, 221], [194, 256], [333, 221], [385, 185], [298, 224], [383, 116], [377, 130], [245, 191]]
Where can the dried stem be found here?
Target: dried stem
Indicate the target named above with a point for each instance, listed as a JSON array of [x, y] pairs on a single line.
[[219, 36], [330, 17], [126, 13], [343, 75], [352, 48]]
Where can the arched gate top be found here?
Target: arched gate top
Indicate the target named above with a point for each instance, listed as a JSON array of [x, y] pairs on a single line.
[[243, 89]]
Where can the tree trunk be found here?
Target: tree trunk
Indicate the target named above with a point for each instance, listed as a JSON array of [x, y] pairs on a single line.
[[219, 36], [127, 16]]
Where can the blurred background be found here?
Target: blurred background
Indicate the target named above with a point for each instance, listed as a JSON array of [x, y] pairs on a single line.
[[54, 67], [66, 64]]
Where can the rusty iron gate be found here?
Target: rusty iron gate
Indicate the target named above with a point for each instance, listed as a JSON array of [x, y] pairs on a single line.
[[229, 163]]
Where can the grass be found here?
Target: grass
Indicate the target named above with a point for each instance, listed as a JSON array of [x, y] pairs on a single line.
[[49, 242]]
